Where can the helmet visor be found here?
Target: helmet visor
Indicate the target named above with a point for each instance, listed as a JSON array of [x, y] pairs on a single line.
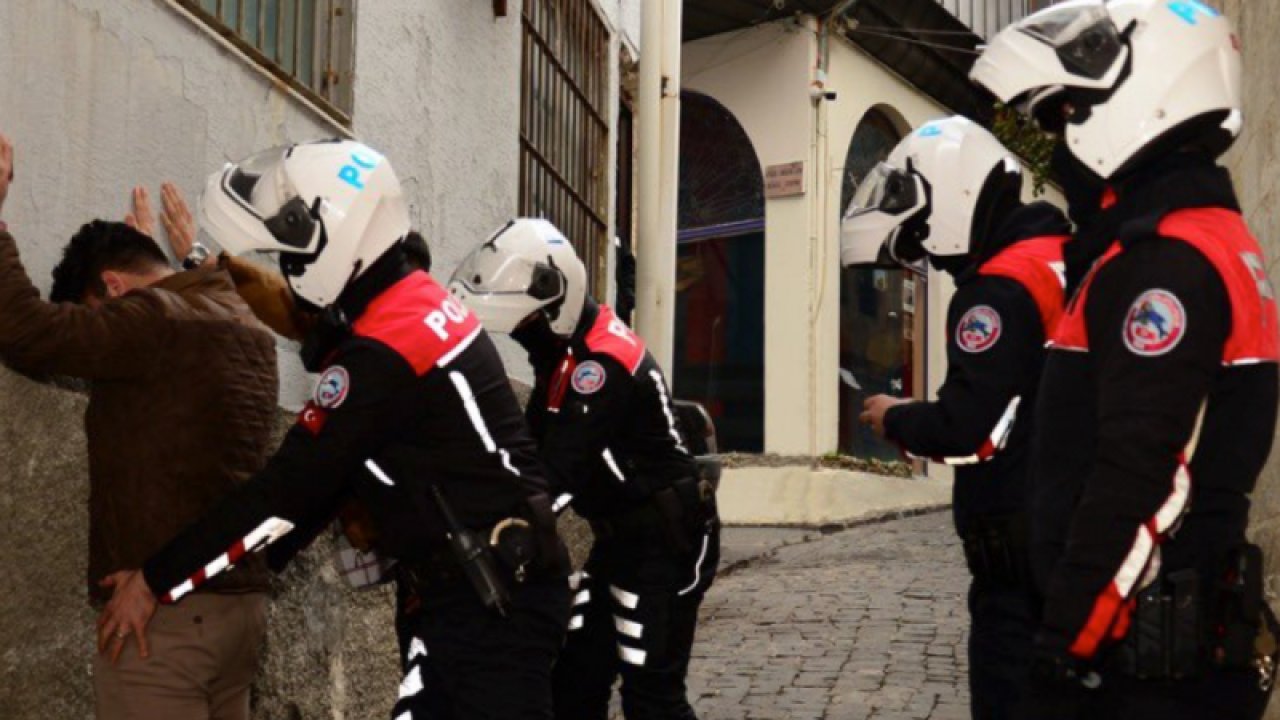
[[254, 183], [1084, 38], [885, 189], [490, 271]]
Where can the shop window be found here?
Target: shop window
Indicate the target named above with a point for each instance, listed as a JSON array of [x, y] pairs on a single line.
[[882, 313], [719, 343]]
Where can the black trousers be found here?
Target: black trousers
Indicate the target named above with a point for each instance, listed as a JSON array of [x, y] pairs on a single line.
[[635, 612], [1003, 619], [465, 662], [1217, 695]]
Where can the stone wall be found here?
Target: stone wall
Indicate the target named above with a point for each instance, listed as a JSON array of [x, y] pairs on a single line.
[[1253, 162]]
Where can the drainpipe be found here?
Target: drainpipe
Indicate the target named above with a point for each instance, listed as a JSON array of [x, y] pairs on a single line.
[[658, 161]]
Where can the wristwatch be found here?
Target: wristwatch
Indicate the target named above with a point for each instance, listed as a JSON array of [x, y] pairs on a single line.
[[194, 259]]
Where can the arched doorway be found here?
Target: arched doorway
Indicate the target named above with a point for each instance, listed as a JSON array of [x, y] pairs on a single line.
[[882, 312], [719, 344]]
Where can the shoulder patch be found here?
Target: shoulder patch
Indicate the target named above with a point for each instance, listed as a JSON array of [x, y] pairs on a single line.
[[588, 377], [979, 330], [332, 388], [1155, 324]]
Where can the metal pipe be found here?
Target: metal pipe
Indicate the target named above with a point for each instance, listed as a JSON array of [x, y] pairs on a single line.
[[658, 122]]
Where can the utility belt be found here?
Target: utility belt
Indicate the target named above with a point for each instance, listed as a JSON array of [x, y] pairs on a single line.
[[995, 548], [1181, 625], [515, 550], [674, 514]]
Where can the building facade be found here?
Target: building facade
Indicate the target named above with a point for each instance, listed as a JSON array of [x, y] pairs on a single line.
[[486, 109]]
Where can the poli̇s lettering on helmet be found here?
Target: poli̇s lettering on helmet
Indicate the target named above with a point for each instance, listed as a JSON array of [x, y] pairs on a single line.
[[527, 266], [1141, 76], [329, 209], [924, 198]]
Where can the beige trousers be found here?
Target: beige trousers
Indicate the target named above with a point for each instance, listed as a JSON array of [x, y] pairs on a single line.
[[204, 654]]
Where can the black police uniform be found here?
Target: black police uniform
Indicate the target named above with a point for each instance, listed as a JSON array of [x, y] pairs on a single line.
[[1157, 413], [608, 437], [1006, 303], [414, 396]]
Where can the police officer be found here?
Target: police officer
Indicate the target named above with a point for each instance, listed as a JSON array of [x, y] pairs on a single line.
[[412, 415], [1159, 400], [608, 437], [950, 192]]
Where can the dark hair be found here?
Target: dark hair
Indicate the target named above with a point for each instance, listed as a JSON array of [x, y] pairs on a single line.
[[98, 246]]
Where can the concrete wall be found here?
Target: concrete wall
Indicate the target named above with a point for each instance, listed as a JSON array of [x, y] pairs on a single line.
[[101, 95]]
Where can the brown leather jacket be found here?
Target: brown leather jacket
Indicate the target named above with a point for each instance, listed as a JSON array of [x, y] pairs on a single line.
[[182, 403]]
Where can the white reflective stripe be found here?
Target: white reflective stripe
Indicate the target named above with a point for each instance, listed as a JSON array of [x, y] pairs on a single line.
[[176, 594], [575, 623], [631, 655], [1134, 563], [582, 598], [1173, 507], [561, 503], [697, 568], [626, 599], [412, 683], [575, 580], [1060, 269], [265, 534], [666, 408], [372, 467], [459, 348], [613, 465], [1004, 428], [999, 436], [406, 715], [630, 628], [417, 648], [1066, 348], [477, 420]]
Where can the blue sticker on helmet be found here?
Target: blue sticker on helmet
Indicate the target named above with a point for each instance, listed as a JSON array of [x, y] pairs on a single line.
[[930, 131], [1192, 10]]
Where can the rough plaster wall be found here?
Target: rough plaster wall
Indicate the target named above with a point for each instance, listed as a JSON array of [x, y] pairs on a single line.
[[1253, 162]]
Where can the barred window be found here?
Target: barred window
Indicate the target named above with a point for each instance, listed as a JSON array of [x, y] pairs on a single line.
[[564, 131], [306, 44]]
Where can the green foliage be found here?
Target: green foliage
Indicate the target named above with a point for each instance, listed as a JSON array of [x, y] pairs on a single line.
[[1021, 135]]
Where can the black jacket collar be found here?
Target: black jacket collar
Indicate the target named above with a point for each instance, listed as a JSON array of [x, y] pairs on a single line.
[[1142, 200], [1038, 219]]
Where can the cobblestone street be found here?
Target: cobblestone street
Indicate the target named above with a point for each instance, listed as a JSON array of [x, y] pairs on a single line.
[[864, 624]]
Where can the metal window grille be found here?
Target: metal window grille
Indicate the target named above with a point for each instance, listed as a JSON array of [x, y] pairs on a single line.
[[564, 131], [306, 44]]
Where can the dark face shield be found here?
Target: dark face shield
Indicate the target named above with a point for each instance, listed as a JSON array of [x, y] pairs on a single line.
[[1084, 38]]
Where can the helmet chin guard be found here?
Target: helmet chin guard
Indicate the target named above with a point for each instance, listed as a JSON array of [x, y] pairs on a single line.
[[1139, 78], [328, 208], [525, 267]]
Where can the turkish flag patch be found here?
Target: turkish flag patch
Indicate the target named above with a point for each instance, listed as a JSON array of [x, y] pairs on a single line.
[[313, 418]]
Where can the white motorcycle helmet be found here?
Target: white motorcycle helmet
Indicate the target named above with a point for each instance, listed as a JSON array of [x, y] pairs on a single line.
[[926, 196], [527, 266], [329, 208], [1142, 77]]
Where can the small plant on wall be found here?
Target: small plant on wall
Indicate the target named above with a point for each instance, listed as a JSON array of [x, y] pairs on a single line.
[[1021, 135]]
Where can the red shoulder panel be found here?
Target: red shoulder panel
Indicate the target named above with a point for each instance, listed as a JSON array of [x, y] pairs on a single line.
[[421, 321], [610, 336], [1036, 264], [1072, 334], [1223, 238]]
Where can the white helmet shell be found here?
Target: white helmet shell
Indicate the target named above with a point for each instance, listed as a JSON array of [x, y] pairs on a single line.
[[329, 208], [526, 266], [940, 170], [1142, 69]]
